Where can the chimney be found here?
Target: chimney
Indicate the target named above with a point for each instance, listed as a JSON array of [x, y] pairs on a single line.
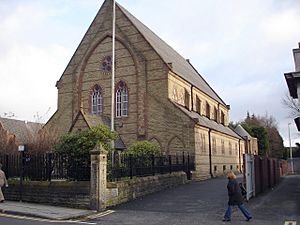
[[296, 53]]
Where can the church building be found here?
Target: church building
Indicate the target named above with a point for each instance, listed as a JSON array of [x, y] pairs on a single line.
[[159, 95]]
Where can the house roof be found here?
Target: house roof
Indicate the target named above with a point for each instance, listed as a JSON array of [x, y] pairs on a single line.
[[180, 65], [23, 130], [292, 80], [242, 132], [205, 122], [93, 120]]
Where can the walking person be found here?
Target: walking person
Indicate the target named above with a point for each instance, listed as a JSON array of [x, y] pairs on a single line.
[[3, 181], [235, 198]]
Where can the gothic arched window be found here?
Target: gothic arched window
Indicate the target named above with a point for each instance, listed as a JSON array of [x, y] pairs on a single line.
[[96, 98], [121, 100]]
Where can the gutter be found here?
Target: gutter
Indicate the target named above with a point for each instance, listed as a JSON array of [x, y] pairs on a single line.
[[192, 101]]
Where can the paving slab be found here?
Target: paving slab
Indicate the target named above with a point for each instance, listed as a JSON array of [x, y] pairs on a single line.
[[43, 211]]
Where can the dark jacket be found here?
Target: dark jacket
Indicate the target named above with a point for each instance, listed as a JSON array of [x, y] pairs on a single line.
[[234, 193]]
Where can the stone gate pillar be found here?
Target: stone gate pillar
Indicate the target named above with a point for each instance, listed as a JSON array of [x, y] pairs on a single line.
[[98, 178]]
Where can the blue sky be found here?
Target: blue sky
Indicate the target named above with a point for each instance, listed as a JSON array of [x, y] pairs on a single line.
[[242, 48]]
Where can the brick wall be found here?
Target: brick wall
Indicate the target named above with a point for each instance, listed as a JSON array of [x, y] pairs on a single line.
[[124, 191], [70, 194]]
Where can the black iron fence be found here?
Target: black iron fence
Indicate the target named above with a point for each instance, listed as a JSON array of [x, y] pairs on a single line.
[[45, 167], [52, 166], [130, 166]]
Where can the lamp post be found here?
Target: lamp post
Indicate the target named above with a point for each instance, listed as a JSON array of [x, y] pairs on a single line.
[[291, 152]]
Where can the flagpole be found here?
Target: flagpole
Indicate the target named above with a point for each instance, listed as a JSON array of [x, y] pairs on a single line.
[[113, 76]]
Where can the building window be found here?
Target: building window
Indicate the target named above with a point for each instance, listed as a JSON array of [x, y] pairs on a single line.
[[224, 167], [231, 167], [222, 118], [186, 99], [216, 114], [106, 65], [214, 146], [198, 105], [96, 100], [236, 149], [207, 110], [223, 147], [230, 148], [215, 168], [122, 100], [202, 143]]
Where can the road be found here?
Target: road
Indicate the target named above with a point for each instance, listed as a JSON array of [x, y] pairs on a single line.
[[194, 204]]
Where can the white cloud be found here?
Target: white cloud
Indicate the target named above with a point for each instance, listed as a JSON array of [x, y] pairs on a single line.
[[28, 76], [248, 43], [282, 26]]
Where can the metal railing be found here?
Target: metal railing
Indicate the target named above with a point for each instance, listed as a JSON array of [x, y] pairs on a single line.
[[47, 166], [130, 166]]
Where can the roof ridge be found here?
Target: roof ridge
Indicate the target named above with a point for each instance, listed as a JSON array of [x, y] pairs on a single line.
[[182, 67], [123, 9]]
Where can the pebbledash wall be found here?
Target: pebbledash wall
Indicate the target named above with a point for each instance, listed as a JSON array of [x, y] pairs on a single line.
[[77, 194]]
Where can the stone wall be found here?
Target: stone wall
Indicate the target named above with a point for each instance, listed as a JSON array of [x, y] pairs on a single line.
[[70, 194], [124, 191]]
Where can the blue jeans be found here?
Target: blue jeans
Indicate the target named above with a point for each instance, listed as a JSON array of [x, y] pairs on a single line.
[[243, 210]]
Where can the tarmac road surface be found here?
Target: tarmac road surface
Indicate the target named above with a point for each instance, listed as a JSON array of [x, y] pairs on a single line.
[[194, 204]]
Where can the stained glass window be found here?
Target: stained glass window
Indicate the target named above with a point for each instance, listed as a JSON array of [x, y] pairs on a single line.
[[107, 64], [96, 100], [122, 100]]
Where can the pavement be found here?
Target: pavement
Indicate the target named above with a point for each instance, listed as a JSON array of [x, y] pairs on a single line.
[[43, 211], [193, 204]]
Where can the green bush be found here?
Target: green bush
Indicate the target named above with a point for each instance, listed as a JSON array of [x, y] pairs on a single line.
[[76, 147], [143, 148]]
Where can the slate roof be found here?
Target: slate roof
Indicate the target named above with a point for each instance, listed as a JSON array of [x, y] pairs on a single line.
[[205, 122], [21, 129], [242, 132], [180, 65]]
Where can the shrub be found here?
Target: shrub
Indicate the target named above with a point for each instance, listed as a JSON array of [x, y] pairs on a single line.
[[76, 147], [143, 148]]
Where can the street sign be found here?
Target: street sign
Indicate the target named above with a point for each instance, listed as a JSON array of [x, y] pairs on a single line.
[[21, 148]]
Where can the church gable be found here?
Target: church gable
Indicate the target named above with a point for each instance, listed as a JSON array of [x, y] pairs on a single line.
[[79, 123], [85, 70]]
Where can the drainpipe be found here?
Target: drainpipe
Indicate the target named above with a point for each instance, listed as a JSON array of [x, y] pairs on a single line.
[[192, 98], [209, 148], [240, 162]]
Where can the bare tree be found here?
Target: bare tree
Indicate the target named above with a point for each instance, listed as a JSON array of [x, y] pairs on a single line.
[[292, 105], [43, 140]]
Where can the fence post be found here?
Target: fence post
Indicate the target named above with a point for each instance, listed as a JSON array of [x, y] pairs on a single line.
[[183, 162], [130, 166], [6, 166], [21, 175], [49, 166], [170, 164], [188, 167], [98, 178], [153, 165]]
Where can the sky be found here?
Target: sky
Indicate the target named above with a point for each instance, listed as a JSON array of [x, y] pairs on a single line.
[[241, 48]]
